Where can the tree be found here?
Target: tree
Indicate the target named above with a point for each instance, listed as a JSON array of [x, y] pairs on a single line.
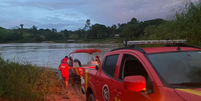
[[114, 28], [87, 25], [47, 34], [21, 25], [54, 30], [131, 31], [66, 34], [4, 35], [33, 30], [120, 27], [79, 32], [133, 21], [153, 22], [98, 31]]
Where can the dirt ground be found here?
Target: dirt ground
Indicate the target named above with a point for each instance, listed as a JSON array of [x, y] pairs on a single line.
[[73, 93], [70, 94]]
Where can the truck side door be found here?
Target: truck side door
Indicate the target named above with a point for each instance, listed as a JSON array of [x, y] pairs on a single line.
[[105, 77], [131, 65]]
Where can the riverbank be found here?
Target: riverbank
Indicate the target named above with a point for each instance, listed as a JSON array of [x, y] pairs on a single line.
[[73, 93], [106, 40], [23, 81]]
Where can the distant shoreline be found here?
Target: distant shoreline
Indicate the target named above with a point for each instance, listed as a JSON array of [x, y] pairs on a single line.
[[106, 40], [47, 42]]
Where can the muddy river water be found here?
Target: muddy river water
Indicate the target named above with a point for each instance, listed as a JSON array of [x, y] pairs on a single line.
[[49, 54]]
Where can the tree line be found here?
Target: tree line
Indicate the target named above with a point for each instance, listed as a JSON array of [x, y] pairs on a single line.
[[131, 29], [184, 24]]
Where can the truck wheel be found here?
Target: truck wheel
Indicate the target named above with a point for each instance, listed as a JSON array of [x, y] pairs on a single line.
[[72, 81], [91, 97]]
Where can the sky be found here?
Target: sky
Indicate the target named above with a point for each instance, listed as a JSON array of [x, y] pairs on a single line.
[[72, 14]]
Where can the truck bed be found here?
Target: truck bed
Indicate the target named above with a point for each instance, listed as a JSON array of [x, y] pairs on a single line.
[[77, 71]]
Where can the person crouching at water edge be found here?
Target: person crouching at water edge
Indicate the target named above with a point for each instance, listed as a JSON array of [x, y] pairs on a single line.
[[64, 71]]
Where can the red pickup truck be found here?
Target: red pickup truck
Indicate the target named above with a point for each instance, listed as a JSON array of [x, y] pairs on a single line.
[[169, 73]]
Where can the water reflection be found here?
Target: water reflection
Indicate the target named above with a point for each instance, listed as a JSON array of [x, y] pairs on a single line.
[[48, 54]]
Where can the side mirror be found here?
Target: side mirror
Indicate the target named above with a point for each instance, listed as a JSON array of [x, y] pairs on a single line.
[[96, 67], [134, 83]]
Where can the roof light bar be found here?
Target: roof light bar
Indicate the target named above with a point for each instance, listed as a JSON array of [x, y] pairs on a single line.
[[145, 42]]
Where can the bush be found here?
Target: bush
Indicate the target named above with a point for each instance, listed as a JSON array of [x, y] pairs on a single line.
[[25, 81]]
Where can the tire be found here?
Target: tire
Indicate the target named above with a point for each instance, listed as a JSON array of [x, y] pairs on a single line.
[[91, 97]]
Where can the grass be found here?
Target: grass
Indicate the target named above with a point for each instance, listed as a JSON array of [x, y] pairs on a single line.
[[22, 82]]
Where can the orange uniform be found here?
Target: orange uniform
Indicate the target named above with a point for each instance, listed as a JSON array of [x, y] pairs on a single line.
[[64, 69]]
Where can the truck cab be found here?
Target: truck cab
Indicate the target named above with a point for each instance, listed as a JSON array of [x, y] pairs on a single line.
[[169, 73]]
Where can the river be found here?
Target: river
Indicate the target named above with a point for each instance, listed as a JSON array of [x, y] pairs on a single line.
[[49, 54]]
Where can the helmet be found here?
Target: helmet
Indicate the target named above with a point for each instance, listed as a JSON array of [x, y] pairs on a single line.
[[66, 56], [64, 60], [97, 56]]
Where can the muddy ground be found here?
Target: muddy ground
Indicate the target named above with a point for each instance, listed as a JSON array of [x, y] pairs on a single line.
[[73, 93]]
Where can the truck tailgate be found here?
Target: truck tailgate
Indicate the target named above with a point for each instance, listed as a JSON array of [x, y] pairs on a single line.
[[79, 70], [88, 74]]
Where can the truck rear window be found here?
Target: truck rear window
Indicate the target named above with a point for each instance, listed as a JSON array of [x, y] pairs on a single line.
[[178, 68], [110, 64]]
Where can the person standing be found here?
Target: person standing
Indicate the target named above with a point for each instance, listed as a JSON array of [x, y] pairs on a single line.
[[64, 71], [71, 61], [98, 60], [75, 60], [65, 59], [78, 61]]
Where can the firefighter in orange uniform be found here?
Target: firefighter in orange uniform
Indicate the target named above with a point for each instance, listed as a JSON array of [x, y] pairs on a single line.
[[64, 71]]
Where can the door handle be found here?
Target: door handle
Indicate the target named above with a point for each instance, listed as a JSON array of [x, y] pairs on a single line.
[[99, 83], [117, 91]]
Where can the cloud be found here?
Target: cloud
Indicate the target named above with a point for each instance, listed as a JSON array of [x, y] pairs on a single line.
[[122, 11], [72, 14], [41, 16], [111, 11], [61, 23], [45, 4]]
